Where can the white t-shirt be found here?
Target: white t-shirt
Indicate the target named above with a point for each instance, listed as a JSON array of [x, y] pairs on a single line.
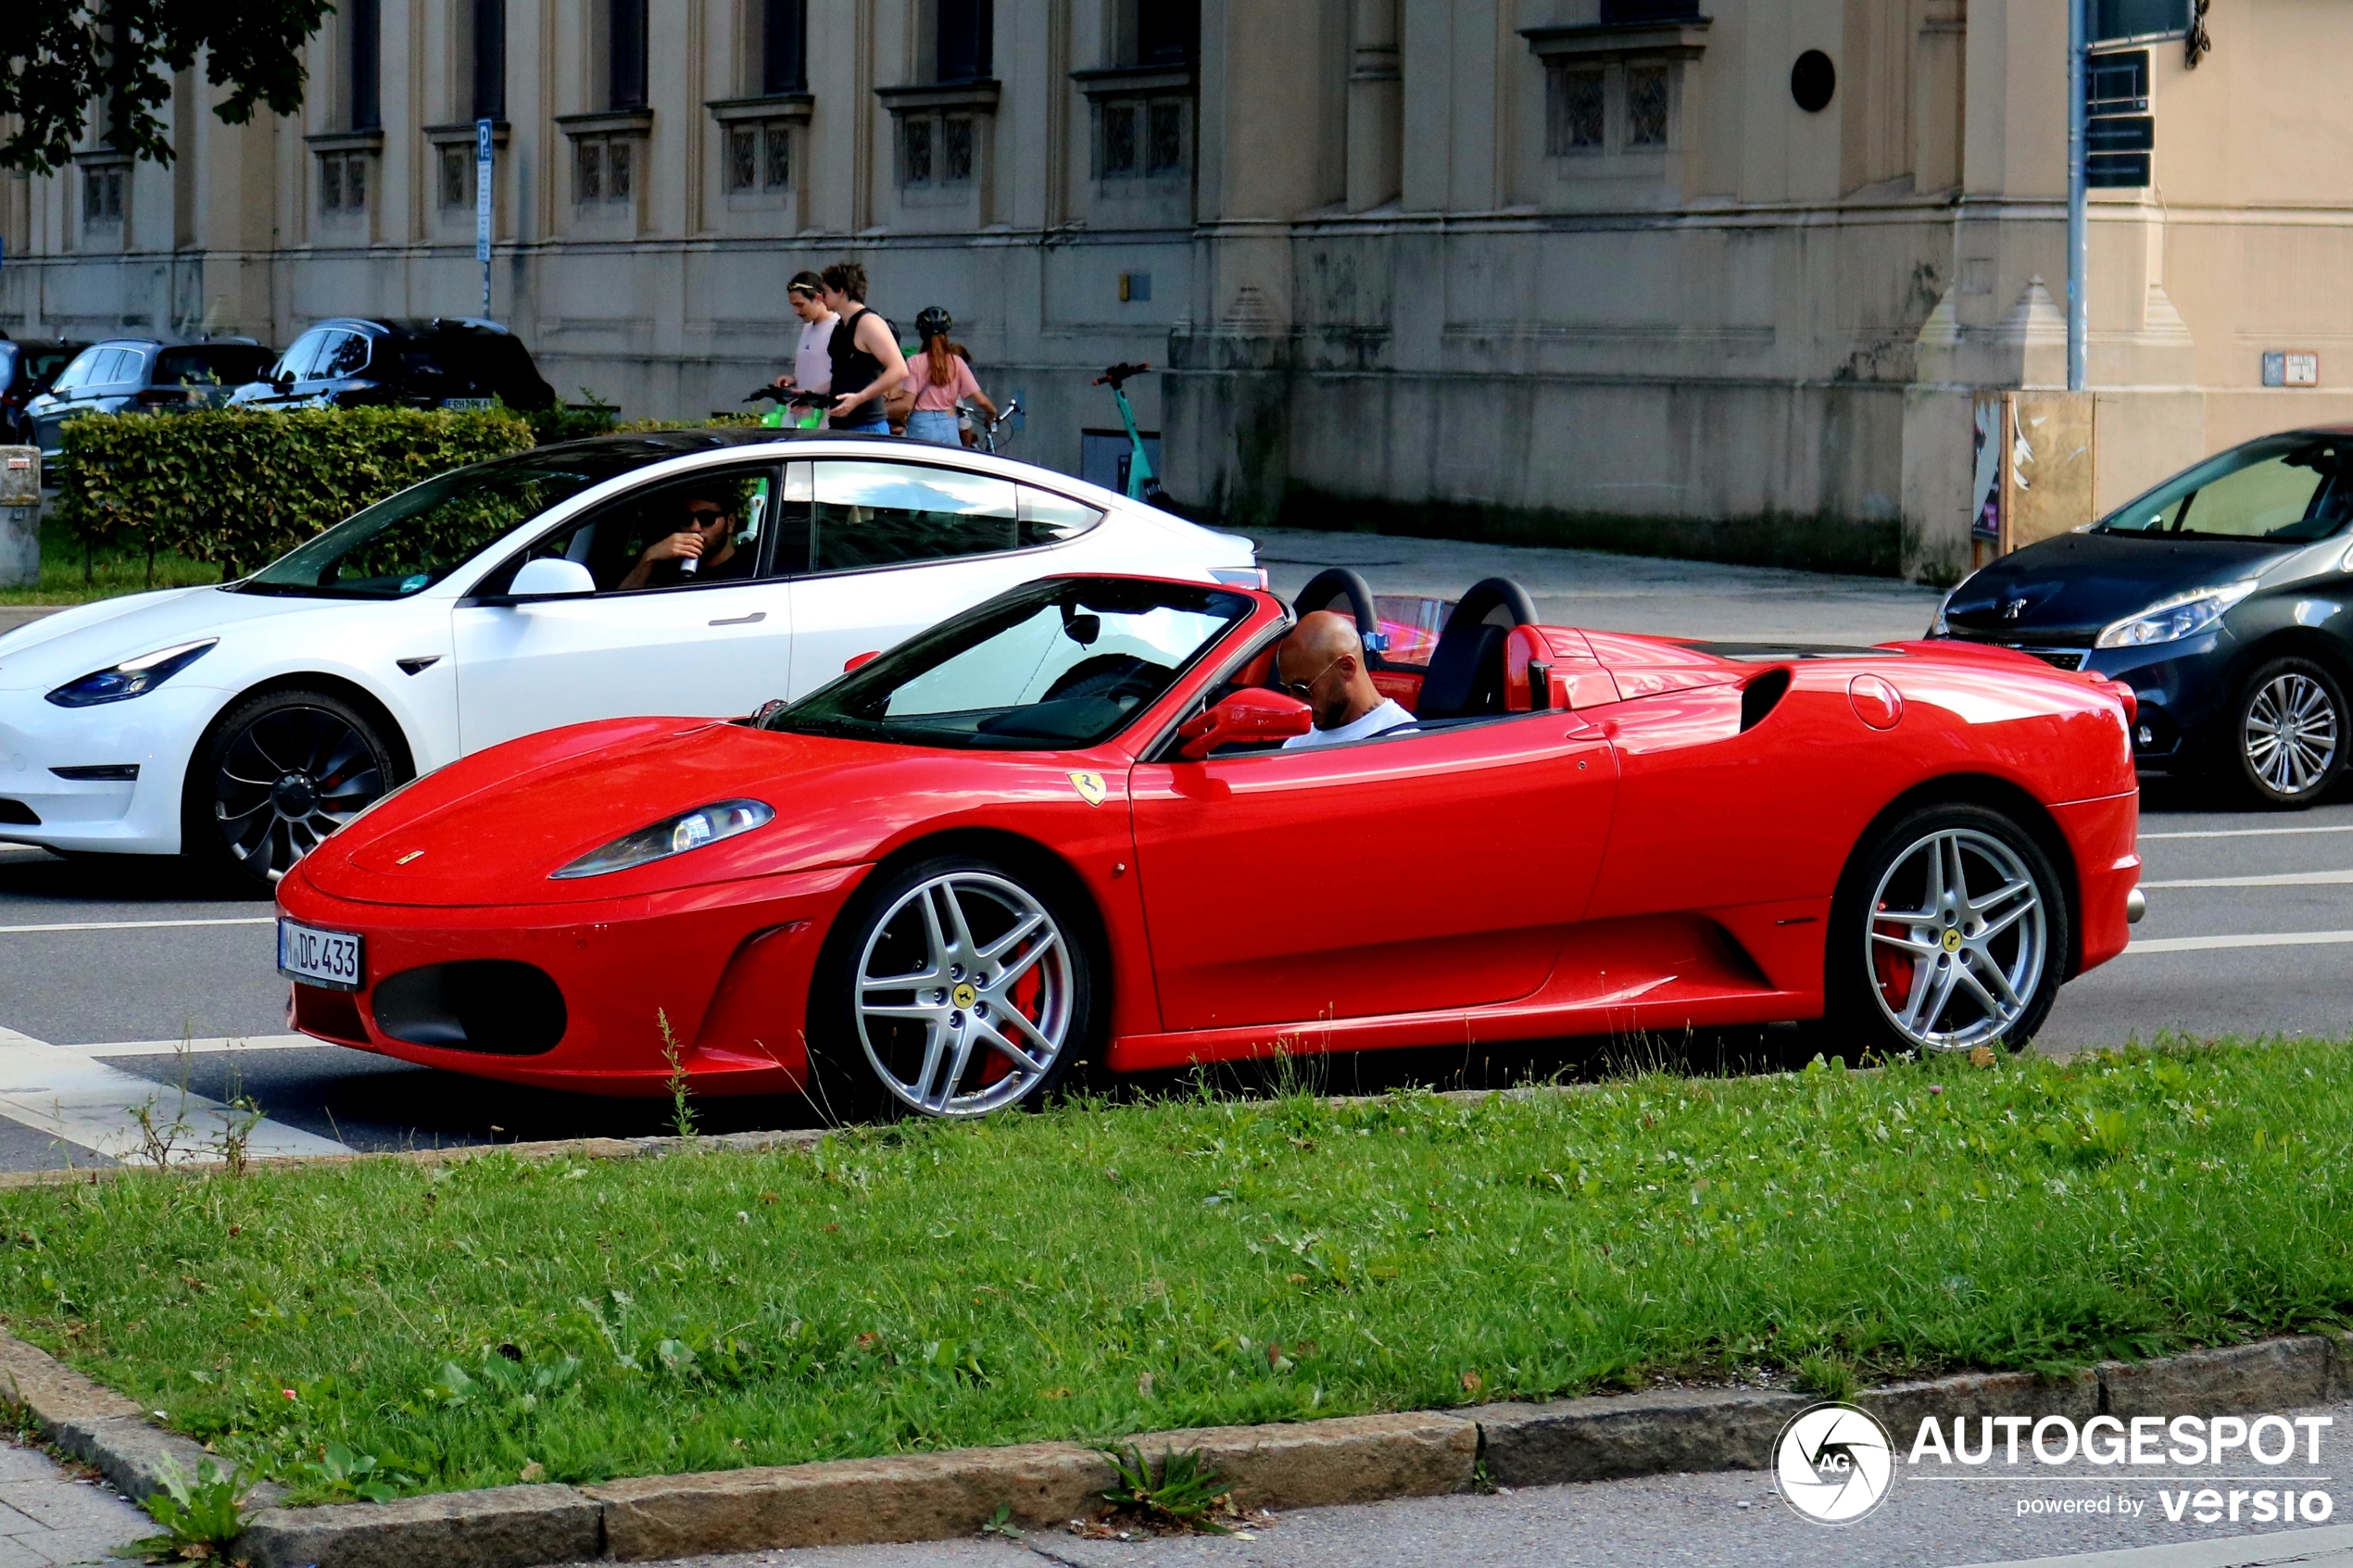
[[1381, 719], [812, 365]]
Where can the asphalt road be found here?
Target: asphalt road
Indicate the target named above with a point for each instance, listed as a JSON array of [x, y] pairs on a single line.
[[106, 964]]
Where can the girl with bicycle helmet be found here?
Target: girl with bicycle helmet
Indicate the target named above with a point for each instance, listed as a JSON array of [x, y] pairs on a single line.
[[939, 379]]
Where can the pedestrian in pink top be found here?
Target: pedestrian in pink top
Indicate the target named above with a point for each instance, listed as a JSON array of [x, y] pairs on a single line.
[[940, 380]]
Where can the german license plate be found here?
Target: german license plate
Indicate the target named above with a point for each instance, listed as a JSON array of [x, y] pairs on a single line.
[[318, 957], [469, 403]]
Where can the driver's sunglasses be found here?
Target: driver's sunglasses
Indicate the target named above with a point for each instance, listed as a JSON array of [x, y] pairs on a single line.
[[703, 517], [1301, 689]]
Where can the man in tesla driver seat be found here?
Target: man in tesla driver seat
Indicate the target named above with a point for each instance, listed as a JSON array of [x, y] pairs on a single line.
[[1322, 663], [703, 551]]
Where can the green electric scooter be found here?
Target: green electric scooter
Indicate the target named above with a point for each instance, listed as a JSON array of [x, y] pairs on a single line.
[[1142, 483]]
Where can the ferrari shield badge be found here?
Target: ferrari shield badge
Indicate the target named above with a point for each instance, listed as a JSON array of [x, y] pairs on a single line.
[[1089, 787]]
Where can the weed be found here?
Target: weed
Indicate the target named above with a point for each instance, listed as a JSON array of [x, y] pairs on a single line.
[[234, 1142], [198, 1517], [1827, 1375], [1001, 1525], [681, 1115], [1184, 1495]]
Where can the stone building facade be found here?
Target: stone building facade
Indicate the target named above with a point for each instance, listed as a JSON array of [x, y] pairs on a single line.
[[1723, 276]]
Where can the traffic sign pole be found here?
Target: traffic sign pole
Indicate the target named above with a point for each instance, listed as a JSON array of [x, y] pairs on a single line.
[[481, 208]]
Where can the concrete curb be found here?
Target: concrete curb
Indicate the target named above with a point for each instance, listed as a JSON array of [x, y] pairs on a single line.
[[1281, 1465]]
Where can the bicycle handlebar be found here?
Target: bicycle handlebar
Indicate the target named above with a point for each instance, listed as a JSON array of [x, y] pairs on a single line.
[[1116, 374], [792, 396]]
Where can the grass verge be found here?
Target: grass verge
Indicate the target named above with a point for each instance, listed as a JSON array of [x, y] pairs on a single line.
[[68, 579], [1096, 1272]]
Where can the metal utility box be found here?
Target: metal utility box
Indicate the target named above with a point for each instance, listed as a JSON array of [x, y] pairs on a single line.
[[20, 515]]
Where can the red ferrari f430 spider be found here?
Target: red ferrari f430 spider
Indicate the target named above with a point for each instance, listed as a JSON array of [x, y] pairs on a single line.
[[1064, 827]]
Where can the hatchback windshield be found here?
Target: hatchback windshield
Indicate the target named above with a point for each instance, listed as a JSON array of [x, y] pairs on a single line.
[[405, 544], [1054, 664], [2286, 488]]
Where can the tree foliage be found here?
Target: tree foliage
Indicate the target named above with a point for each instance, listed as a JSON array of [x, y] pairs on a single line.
[[64, 55]]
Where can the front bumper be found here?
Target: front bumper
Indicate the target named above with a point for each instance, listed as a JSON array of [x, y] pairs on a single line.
[[2184, 687], [726, 968], [157, 732]]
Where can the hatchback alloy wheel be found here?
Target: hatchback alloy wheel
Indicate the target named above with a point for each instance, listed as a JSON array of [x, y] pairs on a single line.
[[2290, 732]]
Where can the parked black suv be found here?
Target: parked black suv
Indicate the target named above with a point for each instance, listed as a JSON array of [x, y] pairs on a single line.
[[140, 375], [351, 361], [27, 367]]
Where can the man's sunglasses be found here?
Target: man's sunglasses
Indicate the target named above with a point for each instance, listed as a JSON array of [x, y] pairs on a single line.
[[1303, 689], [703, 517]]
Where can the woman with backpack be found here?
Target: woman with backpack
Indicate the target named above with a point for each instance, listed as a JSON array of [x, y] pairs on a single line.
[[940, 380]]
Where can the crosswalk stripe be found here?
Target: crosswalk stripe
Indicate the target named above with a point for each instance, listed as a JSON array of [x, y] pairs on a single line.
[[77, 1099], [2282, 878], [200, 1048], [2254, 939], [133, 924], [2245, 832]]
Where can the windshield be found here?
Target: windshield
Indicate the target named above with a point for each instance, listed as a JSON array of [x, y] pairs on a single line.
[[2286, 488], [1051, 665], [407, 543]]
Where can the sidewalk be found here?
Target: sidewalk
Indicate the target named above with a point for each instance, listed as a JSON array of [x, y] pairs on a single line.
[[1619, 592], [47, 1517]]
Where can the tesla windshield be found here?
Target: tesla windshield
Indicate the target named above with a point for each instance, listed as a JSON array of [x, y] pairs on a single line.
[[405, 543], [1055, 664], [2288, 487]]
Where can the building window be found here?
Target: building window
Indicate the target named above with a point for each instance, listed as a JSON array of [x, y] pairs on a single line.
[[490, 59], [758, 157], [2119, 133], [455, 186], [1167, 32], [1578, 116], [625, 54], [366, 84], [965, 41], [1647, 105], [102, 193], [783, 46], [918, 137], [957, 168], [1141, 138], [603, 168], [343, 183]]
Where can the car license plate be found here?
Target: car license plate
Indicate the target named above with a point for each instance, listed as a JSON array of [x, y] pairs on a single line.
[[318, 957], [466, 402]]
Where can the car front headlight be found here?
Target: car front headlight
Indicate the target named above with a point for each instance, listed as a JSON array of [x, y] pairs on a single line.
[[2184, 615], [672, 835], [132, 677]]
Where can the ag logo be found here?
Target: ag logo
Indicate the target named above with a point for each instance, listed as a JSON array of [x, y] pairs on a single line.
[[1834, 1463], [1089, 787]]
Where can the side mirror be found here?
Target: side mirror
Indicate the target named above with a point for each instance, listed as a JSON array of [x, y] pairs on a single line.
[[1253, 714], [549, 574], [855, 660]]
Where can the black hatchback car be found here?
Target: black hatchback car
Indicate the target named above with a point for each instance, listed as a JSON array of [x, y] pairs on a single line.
[[352, 361], [2224, 598], [27, 367]]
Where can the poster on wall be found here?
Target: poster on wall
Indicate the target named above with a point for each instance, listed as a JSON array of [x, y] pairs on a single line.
[[1985, 488]]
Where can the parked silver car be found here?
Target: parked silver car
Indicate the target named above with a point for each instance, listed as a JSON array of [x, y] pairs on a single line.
[[142, 374]]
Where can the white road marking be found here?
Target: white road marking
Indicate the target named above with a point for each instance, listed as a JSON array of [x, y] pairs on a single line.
[[71, 1097], [199, 1048], [2245, 833], [133, 924], [2257, 939], [2284, 879]]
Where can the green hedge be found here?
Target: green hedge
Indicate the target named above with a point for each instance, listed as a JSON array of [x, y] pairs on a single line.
[[237, 488]]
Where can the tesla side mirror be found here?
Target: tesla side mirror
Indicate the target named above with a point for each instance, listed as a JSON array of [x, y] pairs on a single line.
[[1254, 714], [549, 575], [855, 660]]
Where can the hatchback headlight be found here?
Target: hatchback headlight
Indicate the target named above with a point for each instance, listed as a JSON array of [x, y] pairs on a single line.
[[132, 677], [672, 835], [2184, 615]]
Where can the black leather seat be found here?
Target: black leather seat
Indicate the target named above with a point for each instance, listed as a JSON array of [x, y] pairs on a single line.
[[1337, 588], [1465, 677]]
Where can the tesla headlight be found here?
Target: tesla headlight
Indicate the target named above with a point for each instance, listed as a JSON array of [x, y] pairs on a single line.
[[2184, 615], [132, 677], [672, 835]]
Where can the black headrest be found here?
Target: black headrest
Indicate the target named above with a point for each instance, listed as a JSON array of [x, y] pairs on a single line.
[[1486, 596], [1466, 668], [1336, 588]]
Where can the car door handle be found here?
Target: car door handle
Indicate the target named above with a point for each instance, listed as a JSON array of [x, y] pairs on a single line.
[[755, 617]]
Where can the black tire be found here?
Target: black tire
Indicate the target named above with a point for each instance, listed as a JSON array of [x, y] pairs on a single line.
[[866, 1064], [277, 773], [1880, 1001], [2285, 737]]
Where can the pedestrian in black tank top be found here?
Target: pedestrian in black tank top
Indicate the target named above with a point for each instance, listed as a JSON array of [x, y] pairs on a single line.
[[865, 353]]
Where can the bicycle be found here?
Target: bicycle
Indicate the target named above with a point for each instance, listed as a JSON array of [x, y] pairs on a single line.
[[810, 404], [1010, 418]]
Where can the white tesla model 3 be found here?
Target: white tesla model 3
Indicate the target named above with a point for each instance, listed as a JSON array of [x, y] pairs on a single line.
[[241, 723]]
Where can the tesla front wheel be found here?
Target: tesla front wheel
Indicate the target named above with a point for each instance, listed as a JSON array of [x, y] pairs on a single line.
[[1950, 932], [277, 773], [952, 986], [2287, 732]]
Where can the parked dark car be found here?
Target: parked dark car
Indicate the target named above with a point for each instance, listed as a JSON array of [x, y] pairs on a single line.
[[352, 361], [2224, 598], [27, 367], [141, 374]]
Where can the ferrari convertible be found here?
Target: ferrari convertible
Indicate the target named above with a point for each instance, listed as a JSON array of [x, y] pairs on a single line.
[[1061, 828]]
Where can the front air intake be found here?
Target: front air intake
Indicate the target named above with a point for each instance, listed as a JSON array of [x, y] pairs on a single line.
[[495, 1006]]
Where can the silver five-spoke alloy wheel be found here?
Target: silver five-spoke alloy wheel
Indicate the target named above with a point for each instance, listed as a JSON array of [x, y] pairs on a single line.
[[1958, 940], [2289, 733], [965, 994]]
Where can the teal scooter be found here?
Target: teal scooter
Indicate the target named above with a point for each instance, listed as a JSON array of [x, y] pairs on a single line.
[[1142, 483]]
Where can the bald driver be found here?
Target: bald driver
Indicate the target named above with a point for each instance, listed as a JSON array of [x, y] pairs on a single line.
[[1322, 663]]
